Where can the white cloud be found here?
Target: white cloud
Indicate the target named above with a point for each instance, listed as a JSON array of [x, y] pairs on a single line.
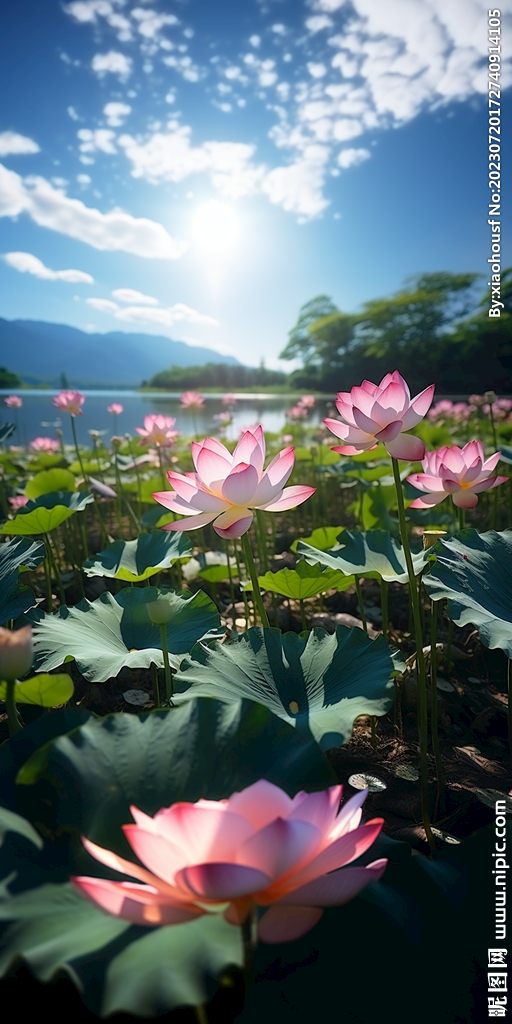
[[150, 23], [83, 179], [113, 63], [73, 114], [89, 11], [11, 143], [255, 40], [280, 30], [116, 113], [51, 208], [298, 187], [26, 263], [103, 305], [317, 70], [100, 138], [318, 22], [185, 67], [132, 296], [169, 316], [352, 157]]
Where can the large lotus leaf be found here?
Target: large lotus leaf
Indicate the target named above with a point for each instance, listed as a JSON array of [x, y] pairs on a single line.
[[205, 749], [43, 689], [304, 581], [46, 512], [506, 454], [14, 599], [135, 560], [45, 460], [373, 553], [48, 481], [474, 571], [156, 517], [12, 822], [316, 681], [323, 537], [105, 635]]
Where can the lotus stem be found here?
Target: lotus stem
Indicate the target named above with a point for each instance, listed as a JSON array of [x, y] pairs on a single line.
[[137, 473], [103, 528], [10, 706], [250, 937], [434, 713], [48, 581], [244, 594], [230, 577], [53, 566], [384, 603], [154, 678], [262, 540], [449, 644], [420, 661], [201, 1015], [373, 724], [361, 604], [165, 481], [258, 600], [302, 614], [168, 673]]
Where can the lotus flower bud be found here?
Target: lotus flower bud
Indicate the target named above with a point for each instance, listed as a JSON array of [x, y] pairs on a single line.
[[490, 397], [15, 653], [160, 611]]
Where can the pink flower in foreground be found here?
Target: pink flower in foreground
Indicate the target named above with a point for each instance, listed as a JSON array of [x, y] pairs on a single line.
[[191, 400], [381, 412], [461, 472], [226, 487], [70, 401], [18, 501], [44, 444], [259, 848], [116, 409], [13, 401], [158, 430]]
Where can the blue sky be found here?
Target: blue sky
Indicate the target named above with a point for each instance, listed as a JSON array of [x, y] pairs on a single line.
[[202, 168]]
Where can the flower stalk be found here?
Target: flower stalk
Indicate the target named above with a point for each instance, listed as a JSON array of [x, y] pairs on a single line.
[[249, 562], [420, 661]]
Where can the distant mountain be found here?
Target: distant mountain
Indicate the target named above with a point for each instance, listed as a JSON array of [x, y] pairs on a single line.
[[41, 352]]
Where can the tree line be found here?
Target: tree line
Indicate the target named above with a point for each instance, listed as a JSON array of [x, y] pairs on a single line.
[[217, 375], [436, 328]]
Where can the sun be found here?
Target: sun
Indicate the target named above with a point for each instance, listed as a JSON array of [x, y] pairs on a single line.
[[216, 226]]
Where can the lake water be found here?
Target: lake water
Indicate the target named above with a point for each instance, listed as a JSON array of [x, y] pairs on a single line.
[[38, 417]]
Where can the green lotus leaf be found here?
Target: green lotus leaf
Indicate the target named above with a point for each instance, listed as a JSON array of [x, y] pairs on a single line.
[[324, 538], [474, 571], [374, 553], [506, 454], [105, 635], [48, 481], [205, 749], [45, 460], [303, 454], [12, 822], [43, 689], [46, 512], [15, 599], [317, 681], [211, 566], [156, 516], [52, 925], [305, 581], [135, 560], [149, 487]]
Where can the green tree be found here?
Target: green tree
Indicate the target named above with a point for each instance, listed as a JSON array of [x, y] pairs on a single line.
[[322, 338], [8, 379]]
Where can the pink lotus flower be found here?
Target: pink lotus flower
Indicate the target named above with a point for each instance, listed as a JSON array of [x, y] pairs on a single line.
[[44, 444], [297, 412], [116, 409], [461, 472], [158, 430], [229, 399], [70, 401], [18, 501], [308, 401], [259, 848], [226, 487], [16, 652], [191, 400], [381, 412], [13, 401]]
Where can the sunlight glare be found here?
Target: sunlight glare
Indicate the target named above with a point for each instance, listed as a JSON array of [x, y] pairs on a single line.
[[216, 226]]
